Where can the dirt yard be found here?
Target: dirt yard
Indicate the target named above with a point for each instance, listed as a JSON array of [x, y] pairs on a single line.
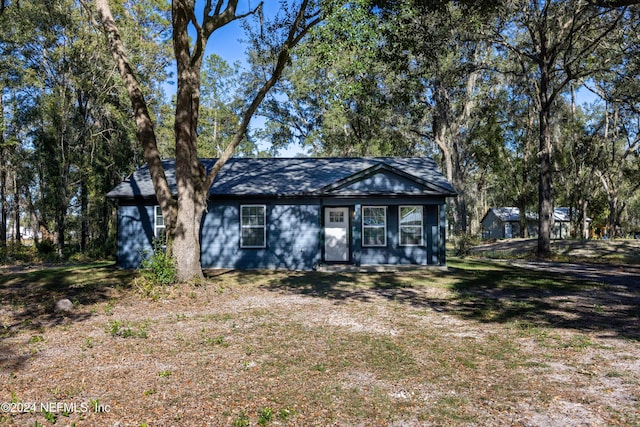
[[479, 344]]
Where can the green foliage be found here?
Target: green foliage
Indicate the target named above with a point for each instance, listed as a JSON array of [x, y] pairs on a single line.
[[67, 135], [242, 420], [49, 416], [464, 243], [285, 413], [46, 247], [265, 416], [158, 268], [118, 328], [17, 252]]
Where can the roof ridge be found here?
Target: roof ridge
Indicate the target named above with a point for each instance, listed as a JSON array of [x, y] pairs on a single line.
[[290, 177]]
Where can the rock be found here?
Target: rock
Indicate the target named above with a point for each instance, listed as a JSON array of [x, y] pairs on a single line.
[[64, 305]]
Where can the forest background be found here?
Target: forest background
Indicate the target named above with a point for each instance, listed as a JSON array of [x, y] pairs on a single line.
[[494, 91]]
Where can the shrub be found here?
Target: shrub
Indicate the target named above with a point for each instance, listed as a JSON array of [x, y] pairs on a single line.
[[463, 244], [158, 267], [46, 247], [15, 252]]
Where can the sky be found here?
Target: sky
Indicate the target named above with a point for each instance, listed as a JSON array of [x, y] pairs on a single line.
[[226, 42]]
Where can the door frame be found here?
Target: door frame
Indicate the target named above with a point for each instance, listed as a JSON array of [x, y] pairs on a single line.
[[347, 229]]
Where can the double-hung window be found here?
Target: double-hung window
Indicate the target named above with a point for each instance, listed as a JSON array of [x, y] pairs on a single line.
[[374, 226], [159, 230], [411, 230], [253, 226]]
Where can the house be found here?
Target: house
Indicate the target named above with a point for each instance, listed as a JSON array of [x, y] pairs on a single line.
[[300, 213], [504, 223]]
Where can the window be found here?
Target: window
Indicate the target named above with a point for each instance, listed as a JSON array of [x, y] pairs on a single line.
[[253, 226], [411, 226], [336, 216], [374, 226], [159, 230]]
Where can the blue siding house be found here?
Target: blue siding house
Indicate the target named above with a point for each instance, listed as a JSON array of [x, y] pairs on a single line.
[[301, 213]]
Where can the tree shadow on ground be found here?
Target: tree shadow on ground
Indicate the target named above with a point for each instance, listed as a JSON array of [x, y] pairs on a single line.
[[27, 299], [487, 292]]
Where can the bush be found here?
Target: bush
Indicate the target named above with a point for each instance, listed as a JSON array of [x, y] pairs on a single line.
[[15, 252], [463, 244], [158, 267], [46, 247]]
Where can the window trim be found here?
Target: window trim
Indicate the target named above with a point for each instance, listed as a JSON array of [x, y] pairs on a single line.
[[400, 225], [157, 213], [264, 227], [384, 226]]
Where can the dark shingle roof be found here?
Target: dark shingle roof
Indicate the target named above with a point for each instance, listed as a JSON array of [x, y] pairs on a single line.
[[291, 176]]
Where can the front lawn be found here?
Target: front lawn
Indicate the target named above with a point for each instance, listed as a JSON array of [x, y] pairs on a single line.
[[479, 344]]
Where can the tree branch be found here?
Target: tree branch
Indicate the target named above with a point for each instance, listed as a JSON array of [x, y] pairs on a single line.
[[612, 4], [145, 133], [220, 18], [283, 57]]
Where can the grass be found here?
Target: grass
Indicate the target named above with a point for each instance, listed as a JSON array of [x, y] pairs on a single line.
[[480, 343], [612, 252]]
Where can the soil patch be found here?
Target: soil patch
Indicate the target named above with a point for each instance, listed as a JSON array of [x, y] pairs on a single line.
[[476, 345]]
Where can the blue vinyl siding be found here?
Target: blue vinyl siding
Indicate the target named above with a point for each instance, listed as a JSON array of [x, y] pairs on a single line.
[[294, 234], [393, 253], [293, 237], [135, 234]]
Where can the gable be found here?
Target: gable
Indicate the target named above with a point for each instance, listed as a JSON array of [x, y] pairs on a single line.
[[382, 182], [384, 179]]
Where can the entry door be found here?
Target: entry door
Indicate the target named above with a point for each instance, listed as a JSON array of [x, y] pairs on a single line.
[[336, 234], [508, 233]]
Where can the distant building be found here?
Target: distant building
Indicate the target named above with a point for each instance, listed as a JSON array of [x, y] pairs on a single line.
[[504, 223], [26, 233]]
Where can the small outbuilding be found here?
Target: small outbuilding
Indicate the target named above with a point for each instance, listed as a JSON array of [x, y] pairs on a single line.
[[301, 213], [504, 223]]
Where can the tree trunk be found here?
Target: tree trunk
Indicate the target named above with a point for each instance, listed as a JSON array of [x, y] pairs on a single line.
[[545, 182], [3, 180], [61, 216], [35, 222], [583, 215], [3, 197], [545, 186], [190, 174], [84, 215], [145, 133], [16, 208]]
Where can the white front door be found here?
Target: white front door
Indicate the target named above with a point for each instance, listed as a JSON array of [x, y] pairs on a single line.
[[336, 234]]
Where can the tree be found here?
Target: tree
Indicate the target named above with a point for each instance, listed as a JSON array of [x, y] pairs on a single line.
[[560, 39], [65, 138], [183, 215], [219, 106], [339, 98]]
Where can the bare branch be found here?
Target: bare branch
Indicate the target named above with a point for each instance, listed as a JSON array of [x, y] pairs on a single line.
[[220, 18]]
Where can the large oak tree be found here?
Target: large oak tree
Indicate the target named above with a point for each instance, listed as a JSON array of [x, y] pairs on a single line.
[[183, 214], [559, 39]]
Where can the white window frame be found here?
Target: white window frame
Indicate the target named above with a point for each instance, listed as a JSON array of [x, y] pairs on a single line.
[[159, 230], [400, 225], [263, 226], [384, 227]]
